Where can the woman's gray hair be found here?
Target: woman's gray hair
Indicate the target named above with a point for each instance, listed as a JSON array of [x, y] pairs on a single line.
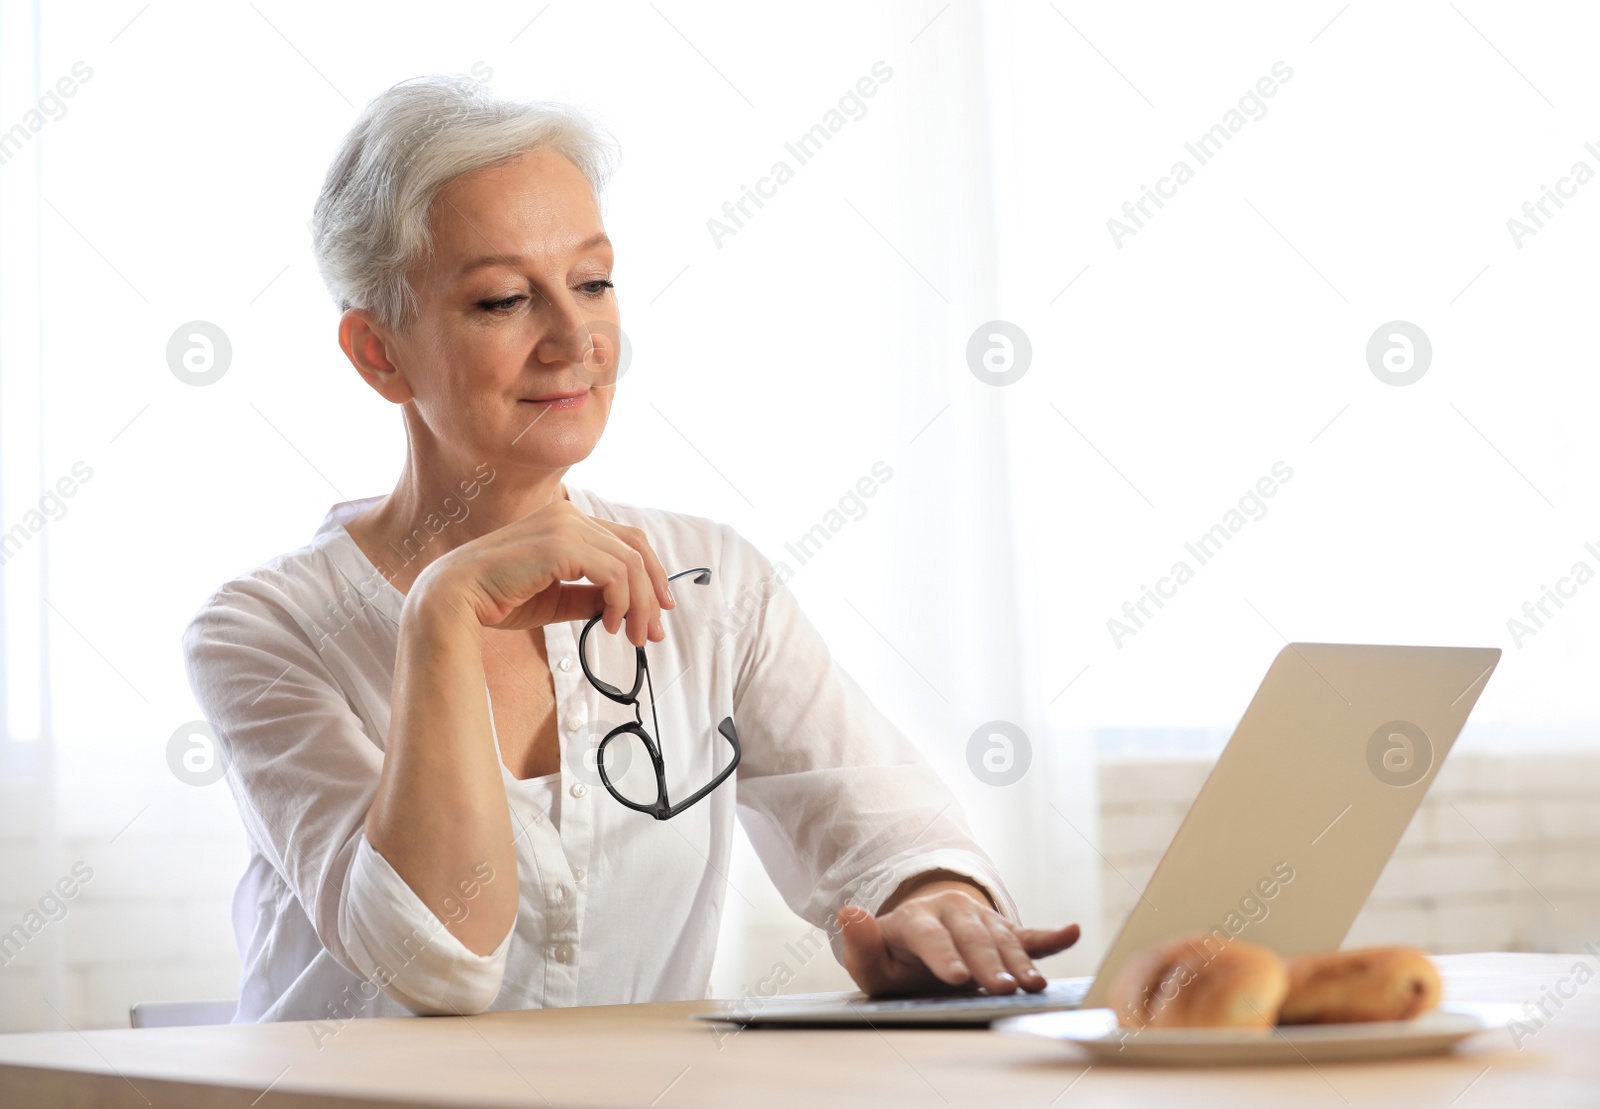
[[370, 225]]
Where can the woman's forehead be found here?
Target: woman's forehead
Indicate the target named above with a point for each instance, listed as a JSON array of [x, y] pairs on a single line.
[[536, 206]]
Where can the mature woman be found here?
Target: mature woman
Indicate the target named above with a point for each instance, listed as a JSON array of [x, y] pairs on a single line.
[[410, 723]]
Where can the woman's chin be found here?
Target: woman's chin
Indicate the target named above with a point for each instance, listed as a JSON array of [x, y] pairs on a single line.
[[554, 451]]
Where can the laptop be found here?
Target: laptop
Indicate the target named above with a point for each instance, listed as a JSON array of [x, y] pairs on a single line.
[[1282, 845]]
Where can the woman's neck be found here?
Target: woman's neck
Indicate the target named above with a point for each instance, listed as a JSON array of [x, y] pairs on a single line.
[[436, 507]]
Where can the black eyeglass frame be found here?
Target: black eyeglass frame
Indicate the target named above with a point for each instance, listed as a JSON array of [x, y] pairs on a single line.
[[662, 808]]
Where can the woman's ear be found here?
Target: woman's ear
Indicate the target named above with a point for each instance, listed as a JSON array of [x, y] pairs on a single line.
[[367, 344]]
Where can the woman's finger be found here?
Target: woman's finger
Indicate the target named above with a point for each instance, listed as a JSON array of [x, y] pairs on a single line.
[[644, 611], [1040, 942], [597, 554], [976, 944], [636, 539], [1011, 951], [607, 570], [643, 608], [924, 936], [865, 956], [532, 571], [573, 600]]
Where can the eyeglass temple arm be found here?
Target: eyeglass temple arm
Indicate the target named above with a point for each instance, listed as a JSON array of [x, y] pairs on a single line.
[[728, 733], [703, 571]]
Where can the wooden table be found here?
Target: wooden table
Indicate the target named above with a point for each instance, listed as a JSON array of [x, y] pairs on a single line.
[[654, 1055]]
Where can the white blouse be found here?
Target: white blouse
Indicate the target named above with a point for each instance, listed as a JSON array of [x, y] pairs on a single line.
[[293, 666]]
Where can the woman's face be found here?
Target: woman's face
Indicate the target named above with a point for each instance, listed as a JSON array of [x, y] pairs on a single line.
[[512, 355]]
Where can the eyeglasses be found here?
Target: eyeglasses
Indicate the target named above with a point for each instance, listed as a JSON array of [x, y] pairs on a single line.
[[662, 808]]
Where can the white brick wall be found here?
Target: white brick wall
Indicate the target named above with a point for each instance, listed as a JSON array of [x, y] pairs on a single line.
[[1504, 852], [152, 924]]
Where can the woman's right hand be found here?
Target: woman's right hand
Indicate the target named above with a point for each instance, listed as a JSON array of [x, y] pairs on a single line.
[[527, 574]]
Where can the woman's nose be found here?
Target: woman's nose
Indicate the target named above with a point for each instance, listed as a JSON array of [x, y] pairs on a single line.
[[568, 336], [591, 351]]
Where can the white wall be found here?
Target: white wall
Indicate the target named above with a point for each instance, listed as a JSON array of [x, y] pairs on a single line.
[[1500, 856]]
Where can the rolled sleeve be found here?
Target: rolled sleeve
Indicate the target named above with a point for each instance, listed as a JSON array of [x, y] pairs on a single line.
[[402, 947], [303, 770]]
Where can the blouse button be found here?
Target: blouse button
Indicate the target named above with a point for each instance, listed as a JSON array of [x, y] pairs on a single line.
[[574, 725], [579, 789], [565, 664], [577, 873], [562, 953]]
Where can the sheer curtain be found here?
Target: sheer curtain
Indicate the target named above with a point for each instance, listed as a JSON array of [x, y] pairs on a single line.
[[31, 852], [938, 619], [967, 374]]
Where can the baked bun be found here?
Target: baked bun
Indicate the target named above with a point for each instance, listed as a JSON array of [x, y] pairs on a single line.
[[1376, 983], [1200, 982]]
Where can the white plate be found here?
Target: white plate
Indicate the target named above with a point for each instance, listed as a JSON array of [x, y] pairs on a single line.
[[1096, 1032]]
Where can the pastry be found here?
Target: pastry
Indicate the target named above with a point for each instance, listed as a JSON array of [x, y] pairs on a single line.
[[1200, 981], [1375, 983]]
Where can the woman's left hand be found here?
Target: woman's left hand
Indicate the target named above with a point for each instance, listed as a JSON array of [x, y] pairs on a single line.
[[942, 937]]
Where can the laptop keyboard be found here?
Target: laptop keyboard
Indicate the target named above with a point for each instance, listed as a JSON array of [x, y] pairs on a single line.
[[1064, 993]]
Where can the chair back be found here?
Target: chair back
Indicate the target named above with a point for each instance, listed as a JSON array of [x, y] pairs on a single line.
[[176, 1014]]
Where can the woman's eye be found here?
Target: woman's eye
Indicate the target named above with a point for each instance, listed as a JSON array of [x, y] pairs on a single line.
[[503, 305], [597, 288]]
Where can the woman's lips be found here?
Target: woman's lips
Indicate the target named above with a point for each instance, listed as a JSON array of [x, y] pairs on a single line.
[[560, 400]]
